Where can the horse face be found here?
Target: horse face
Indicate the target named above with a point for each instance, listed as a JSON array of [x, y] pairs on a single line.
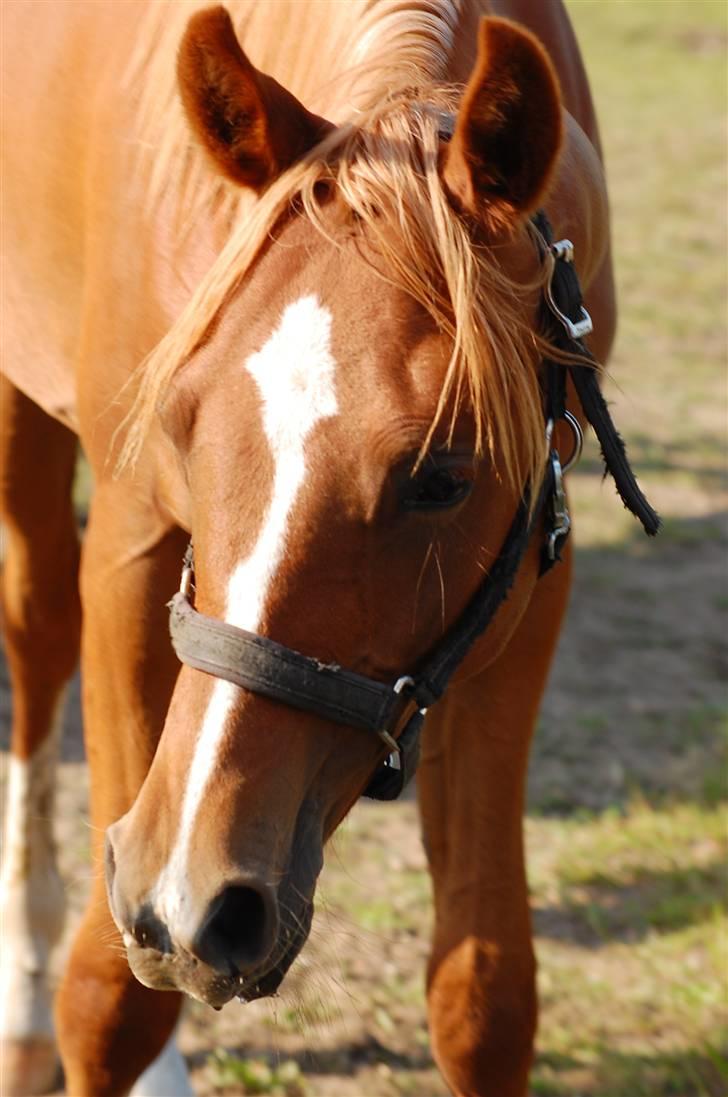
[[298, 427]]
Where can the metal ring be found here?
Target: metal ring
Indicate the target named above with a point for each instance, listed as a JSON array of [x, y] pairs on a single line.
[[578, 442]]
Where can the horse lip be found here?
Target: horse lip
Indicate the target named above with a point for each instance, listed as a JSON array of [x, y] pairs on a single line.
[[165, 971], [266, 981]]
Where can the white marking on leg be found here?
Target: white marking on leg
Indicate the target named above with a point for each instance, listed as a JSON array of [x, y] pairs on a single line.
[[295, 374], [166, 1077], [32, 899]]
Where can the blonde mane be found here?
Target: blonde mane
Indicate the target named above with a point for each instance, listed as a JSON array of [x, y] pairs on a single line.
[[382, 164]]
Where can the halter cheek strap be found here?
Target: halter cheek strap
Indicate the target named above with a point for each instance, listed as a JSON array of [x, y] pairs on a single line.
[[395, 712], [566, 321]]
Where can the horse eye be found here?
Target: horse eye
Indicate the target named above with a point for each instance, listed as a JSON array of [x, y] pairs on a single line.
[[438, 489]]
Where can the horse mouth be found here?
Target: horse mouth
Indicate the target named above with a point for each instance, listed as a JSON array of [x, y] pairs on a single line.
[[267, 981], [181, 971]]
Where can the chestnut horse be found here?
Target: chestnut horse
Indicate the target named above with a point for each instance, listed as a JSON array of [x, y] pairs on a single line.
[[336, 307]]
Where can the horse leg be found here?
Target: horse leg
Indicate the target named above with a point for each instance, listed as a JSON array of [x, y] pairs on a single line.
[[481, 975], [110, 1027], [41, 618]]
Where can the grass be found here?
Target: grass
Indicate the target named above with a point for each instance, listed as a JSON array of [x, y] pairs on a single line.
[[631, 938], [659, 74], [256, 1076]]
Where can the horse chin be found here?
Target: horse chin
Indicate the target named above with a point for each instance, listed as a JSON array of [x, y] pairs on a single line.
[[180, 972]]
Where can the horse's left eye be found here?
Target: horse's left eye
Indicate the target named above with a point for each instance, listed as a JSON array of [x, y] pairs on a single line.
[[436, 489]]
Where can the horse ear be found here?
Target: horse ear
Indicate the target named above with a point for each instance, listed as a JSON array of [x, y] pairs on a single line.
[[251, 126], [508, 130]]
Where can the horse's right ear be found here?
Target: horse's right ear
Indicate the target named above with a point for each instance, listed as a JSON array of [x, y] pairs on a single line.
[[508, 131], [251, 127]]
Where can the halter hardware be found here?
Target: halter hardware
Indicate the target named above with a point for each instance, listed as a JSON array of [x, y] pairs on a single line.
[[393, 759], [578, 434], [563, 251], [395, 712], [559, 511], [558, 517]]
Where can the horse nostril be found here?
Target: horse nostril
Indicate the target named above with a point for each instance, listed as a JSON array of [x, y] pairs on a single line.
[[109, 864], [239, 930], [149, 931]]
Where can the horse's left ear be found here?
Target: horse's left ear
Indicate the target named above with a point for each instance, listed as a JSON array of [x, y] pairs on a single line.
[[509, 128], [251, 127]]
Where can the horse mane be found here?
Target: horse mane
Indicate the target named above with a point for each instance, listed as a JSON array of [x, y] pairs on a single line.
[[381, 161]]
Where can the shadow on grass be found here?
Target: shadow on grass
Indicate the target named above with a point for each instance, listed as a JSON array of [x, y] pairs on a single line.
[[602, 1072], [654, 902], [637, 701], [345, 1059], [607, 1073]]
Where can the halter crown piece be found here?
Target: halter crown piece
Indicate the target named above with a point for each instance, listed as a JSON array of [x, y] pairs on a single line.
[[395, 712]]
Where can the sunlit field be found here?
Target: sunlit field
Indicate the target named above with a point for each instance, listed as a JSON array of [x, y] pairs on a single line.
[[629, 782]]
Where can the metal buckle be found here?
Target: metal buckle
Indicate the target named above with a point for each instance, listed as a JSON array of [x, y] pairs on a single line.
[[577, 329], [563, 249], [559, 509], [393, 760]]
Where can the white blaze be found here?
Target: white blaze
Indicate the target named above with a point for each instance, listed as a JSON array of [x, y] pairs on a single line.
[[295, 375]]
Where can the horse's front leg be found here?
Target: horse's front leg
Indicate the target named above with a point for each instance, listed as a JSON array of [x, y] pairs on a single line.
[[110, 1027], [481, 976], [41, 626]]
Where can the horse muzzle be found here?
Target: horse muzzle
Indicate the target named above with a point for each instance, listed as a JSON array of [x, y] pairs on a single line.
[[214, 968], [240, 944]]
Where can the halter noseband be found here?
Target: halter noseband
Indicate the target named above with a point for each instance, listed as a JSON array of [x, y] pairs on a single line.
[[394, 712]]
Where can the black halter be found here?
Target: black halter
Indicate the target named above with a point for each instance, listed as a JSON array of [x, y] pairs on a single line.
[[394, 712]]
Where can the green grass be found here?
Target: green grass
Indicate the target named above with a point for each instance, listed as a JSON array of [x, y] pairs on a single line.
[[659, 75], [632, 932], [256, 1076], [632, 939]]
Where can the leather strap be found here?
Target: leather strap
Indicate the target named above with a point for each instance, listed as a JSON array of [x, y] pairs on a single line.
[[273, 670], [433, 677]]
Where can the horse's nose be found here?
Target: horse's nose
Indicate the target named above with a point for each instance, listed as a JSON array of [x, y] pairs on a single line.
[[239, 928]]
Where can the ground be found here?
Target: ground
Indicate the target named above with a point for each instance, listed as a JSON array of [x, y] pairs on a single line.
[[626, 826]]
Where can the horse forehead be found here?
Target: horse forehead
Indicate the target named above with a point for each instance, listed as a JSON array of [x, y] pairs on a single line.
[[295, 372]]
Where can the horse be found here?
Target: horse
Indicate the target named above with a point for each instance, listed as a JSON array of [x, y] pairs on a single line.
[[290, 299]]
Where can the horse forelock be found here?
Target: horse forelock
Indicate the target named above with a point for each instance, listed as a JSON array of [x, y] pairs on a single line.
[[383, 165]]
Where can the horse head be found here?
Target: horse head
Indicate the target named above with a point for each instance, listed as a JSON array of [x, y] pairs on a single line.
[[354, 429]]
